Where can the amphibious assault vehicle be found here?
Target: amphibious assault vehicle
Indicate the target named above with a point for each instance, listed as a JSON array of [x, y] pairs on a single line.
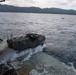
[[30, 40]]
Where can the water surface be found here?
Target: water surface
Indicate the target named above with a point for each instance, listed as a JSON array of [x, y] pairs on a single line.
[[60, 33]]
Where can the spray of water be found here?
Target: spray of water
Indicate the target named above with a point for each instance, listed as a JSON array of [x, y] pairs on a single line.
[[12, 56]]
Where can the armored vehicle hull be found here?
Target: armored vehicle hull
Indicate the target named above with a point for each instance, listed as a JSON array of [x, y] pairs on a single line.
[[25, 42]]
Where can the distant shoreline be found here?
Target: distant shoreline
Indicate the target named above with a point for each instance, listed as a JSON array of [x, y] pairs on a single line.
[[9, 8]]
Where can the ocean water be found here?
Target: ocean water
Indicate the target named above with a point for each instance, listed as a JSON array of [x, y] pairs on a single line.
[[59, 30]]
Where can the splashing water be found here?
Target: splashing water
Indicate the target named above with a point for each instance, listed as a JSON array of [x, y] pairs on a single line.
[[39, 71], [16, 58]]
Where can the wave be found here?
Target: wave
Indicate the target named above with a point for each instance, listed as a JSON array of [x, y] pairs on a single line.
[[35, 72], [16, 58], [71, 66], [40, 70]]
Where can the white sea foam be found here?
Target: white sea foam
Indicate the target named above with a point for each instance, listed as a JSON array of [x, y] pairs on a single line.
[[35, 72], [33, 51], [12, 55], [71, 66]]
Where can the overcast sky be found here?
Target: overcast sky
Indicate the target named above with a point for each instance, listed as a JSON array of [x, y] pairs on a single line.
[[65, 4]]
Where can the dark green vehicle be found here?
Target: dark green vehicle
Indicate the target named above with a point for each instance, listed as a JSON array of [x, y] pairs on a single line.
[[31, 40]]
